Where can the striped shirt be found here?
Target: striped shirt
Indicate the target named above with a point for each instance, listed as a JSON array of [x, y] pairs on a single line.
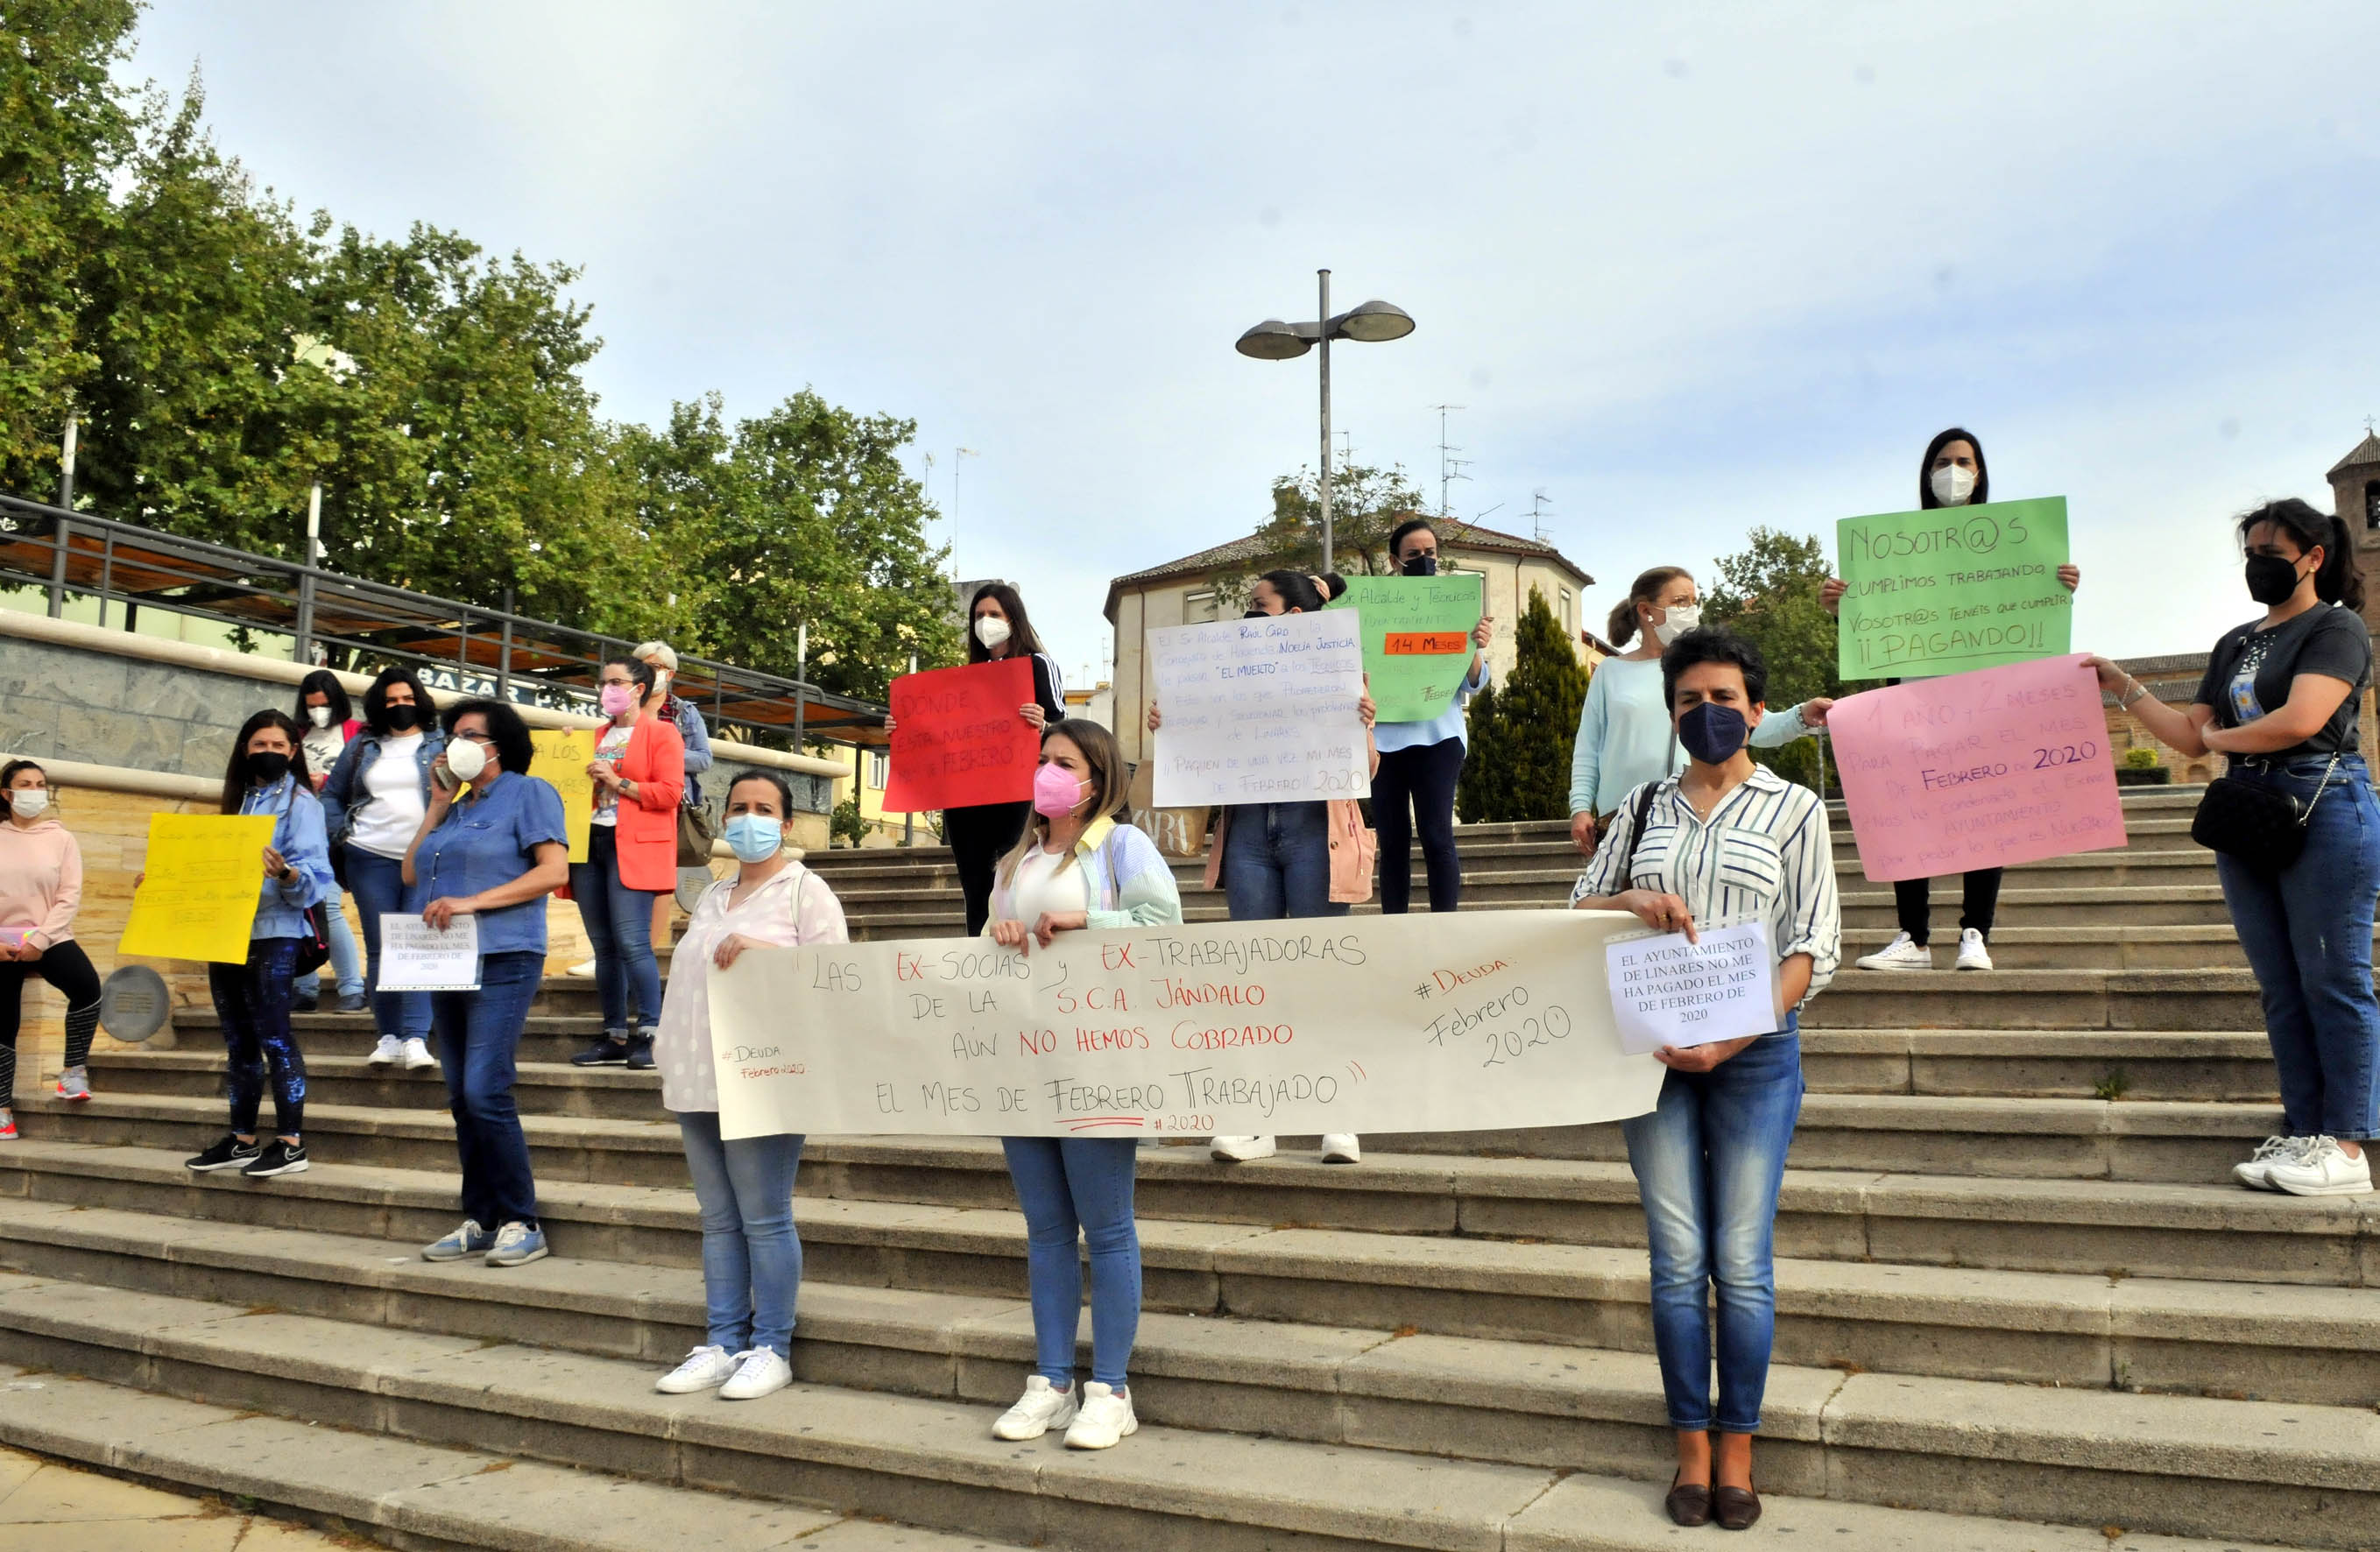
[[1764, 853]]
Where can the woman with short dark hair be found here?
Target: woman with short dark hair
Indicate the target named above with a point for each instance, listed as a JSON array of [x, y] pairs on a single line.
[[373, 808], [1413, 788]]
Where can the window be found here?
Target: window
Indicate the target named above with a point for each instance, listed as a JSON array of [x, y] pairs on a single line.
[[2372, 505], [1198, 608], [880, 766], [1565, 609]]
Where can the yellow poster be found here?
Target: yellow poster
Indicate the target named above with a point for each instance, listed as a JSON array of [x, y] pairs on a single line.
[[563, 756], [204, 874]]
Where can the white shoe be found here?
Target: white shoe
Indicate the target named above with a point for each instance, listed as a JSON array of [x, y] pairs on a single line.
[[706, 1368], [1240, 1150], [1903, 952], [1106, 1416], [761, 1371], [1973, 953], [583, 969], [388, 1052], [416, 1056], [2250, 1172], [1041, 1408], [2322, 1168], [1341, 1148]]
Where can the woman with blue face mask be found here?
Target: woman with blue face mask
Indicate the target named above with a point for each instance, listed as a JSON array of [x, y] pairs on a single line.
[[751, 1257]]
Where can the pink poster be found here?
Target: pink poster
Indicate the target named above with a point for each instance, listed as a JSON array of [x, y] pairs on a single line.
[[1982, 770]]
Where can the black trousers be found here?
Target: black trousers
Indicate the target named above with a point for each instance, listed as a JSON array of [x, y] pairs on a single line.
[[978, 838], [1982, 898], [1414, 789], [66, 967]]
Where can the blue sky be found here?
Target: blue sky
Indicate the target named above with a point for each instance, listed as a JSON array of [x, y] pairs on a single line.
[[1691, 268]]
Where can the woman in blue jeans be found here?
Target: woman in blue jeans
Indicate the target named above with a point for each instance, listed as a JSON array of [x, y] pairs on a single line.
[[1723, 842], [493, 846], [374, 804], [2279, 701]]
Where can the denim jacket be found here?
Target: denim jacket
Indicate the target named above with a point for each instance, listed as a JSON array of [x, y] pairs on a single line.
[[345, 790], [297, 836]]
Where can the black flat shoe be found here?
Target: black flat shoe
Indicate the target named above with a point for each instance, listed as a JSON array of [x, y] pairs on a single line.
[[1736, 1509], [1688, 1503]]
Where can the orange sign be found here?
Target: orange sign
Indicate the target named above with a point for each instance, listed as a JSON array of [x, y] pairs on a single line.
[[1425, 644]]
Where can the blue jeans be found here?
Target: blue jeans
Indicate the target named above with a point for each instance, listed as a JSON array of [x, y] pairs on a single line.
[[478, 1036], [1708, 1162], [345, 969], [1065, 1184], [2308, 936], [1277, 861], [619, 922], [378, 884], [751, 1256], [252, 1000]]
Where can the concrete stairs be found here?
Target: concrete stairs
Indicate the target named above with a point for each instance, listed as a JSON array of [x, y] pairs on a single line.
[[2020, 1305]]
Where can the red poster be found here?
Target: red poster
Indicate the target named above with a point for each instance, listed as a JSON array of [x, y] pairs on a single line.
[[958, 740]]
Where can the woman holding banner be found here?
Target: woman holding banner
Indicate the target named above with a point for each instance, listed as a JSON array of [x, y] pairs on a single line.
[[1413, 787], [41, 889], [492, 847], [1725, 842], [751, 1256], [1078, 866], [374, 804], [979, 835], [267, 775], [639, 774], [2279, 700]]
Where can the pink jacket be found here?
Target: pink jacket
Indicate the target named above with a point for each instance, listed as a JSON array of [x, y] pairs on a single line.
[[41, 881], [1354, 848]]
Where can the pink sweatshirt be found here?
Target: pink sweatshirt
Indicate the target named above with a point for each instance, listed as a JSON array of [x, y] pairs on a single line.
[[41, 881]]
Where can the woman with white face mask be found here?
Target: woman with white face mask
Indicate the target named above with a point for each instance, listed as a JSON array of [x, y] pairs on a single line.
[[41, 889], [1624, 737], [327, 721]]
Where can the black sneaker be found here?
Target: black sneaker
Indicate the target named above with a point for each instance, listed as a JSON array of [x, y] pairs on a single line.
[[224, 1155], [278, 1158], [640, 1051], [605, 1052]]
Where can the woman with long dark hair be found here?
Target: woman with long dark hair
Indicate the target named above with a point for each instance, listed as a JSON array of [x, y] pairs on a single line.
[[639, 774], [2280, 701], [373, 804], [267, 774], [329, 721], [41, 889], [1414, 789]]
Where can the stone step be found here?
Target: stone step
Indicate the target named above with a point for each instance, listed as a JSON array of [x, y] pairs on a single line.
[[2039, 999], [2081, 948], [2171, 1465], [1868, 905]]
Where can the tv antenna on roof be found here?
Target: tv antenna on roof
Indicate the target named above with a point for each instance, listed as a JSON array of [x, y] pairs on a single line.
[[1449, 467]]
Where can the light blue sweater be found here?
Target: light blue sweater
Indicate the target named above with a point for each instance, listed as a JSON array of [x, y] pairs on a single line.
[[1625, 738]]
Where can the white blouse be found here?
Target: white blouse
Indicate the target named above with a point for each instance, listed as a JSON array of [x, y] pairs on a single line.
[[794, 909]]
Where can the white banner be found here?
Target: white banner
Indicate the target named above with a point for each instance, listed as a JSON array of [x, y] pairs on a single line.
[[1376, 1024], [1666, 991], [1260, 711], [415, 956]]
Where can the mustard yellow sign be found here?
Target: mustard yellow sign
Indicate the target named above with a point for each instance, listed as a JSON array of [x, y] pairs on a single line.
[[563, 756], [204, 874]]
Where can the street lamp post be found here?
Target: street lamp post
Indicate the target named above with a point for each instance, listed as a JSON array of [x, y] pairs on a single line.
[[1273, 340]]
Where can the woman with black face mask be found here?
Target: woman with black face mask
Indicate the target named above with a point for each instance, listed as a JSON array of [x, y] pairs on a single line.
[[1412, 788], [2279, 700], [374, 804]]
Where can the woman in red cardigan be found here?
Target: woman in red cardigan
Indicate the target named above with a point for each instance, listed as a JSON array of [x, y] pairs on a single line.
[[640, 772]]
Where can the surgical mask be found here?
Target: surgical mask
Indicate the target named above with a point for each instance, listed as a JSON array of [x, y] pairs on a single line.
[[1953, 485], [1055, 791], [1421, 565], [466, 759], [2271, 580], [992, 631], [617, 700], [754, 837], [29, 803], [1712, 733], [662, 677], [319, 715], [267, 769], [1676, 620]]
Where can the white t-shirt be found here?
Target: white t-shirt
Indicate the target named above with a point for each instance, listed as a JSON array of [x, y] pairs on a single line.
[[390, 810], [323, 747], [613, 747], [1041, 888]]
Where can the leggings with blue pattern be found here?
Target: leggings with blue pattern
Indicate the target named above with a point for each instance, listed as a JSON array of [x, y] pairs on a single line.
[[252, 999]]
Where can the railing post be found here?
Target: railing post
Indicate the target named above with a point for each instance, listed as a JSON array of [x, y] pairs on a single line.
[[505, 654], [62, 535], [304, 651], [107, 573]]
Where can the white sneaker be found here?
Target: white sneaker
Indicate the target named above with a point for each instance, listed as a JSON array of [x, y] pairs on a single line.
[[706, 1368], [388, 1052], [416, 1056], [583, 969], [2322, 1168], [1973, 954], [761, 1371], [1341, 1148], [1106, 1416], [1240, 1150], [2250, 1172], [1903, 953], [1041, 1408]]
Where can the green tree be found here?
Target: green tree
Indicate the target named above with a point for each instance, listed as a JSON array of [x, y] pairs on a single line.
[[1479, 786], [1518, 768], [1769, 593], [1367, 504]]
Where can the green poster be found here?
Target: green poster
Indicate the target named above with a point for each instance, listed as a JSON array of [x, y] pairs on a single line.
[[1417, 639], [1951, 590]]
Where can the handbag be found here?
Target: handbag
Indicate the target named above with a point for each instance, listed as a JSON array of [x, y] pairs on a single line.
[[695, 835], [314, 948], [2255, 824]]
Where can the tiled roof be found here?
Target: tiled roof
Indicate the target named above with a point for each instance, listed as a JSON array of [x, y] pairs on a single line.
[[2366, 452], [1453, 532]]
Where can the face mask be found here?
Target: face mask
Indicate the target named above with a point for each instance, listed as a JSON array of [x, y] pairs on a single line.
[[617, 700], [1256, 614], [466, 759], [319, 715], [30, 803], [1677, 620], [1055, 792], [267, 769], [1421, 565], [2271, 580], [992, 631], [1953, 485], [402, 719], [754, 837], [660, 681], [1712, 733]]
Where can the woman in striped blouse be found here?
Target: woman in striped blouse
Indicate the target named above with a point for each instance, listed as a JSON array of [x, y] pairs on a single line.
[[1723, 842]]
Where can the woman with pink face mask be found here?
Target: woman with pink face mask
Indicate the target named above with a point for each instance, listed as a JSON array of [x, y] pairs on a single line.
[[1078, 866], [640, 772]]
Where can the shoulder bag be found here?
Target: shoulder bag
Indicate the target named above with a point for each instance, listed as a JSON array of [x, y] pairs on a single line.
[[2258, 825]]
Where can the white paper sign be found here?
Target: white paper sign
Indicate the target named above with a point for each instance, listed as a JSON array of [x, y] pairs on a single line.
[[1260, 711], [1666, 991], [415, 957], [1369, 1025]]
